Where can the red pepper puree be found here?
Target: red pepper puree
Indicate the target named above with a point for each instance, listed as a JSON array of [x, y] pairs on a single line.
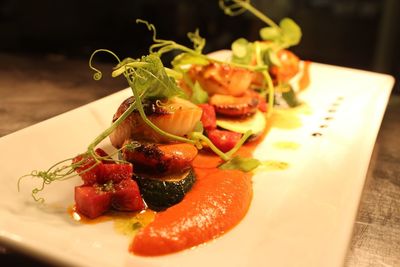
[[217, 202]]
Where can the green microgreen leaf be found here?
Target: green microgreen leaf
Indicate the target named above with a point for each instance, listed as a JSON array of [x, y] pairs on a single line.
[[152, 81], [242, 51], [284, 35], [240, 163], [270, 33], [288, 34], [291, 32]]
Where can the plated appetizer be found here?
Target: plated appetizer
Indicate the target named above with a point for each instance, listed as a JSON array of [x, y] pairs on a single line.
[[183, 144], [157, 134]]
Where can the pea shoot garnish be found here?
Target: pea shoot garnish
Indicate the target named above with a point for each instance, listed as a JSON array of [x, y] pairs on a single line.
[[274, 37]]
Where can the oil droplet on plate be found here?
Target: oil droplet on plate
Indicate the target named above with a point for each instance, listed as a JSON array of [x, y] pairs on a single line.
[[130, 224], [289, 118], [286, 145], [77, 217], [273, 165], [126, 223]]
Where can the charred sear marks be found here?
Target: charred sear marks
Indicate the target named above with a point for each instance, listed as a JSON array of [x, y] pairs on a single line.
[[160, 159], [147, 157], [234, 106]]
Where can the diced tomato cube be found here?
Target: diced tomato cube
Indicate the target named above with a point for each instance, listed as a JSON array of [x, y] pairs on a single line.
[[103, 172], [91, 202], [86, 170], [106, 185], [113, 172], [126, 196], [208, 117], [224, 140]]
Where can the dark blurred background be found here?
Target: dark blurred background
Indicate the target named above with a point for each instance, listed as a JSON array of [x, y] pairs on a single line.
[[355, 33]]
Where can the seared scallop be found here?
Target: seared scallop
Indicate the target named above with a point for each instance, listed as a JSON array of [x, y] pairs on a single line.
[[222, 79], [176, 116]]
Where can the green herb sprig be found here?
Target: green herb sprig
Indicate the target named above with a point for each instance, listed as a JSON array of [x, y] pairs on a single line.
[[188, 56], [66, 169], [284, 35], [195, 57], [275, 37]]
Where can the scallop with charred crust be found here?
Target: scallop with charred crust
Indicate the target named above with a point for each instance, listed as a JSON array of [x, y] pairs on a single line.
[[176, 116], [235, 106], [160, 158], [222, 79]]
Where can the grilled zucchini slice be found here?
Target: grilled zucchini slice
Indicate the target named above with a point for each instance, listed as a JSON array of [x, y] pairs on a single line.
[[160, 193], [256, 123]]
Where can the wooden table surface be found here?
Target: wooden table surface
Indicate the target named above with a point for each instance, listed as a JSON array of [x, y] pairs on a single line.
[[33, 89]]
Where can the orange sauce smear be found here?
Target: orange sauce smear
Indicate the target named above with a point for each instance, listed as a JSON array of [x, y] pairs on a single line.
[[217, 202], [304, 81]]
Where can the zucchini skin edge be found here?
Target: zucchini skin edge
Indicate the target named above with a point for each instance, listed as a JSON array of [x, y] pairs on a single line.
[[160, 194]]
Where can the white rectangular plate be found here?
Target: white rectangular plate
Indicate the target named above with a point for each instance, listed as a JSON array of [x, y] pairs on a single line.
[[300, 216]]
